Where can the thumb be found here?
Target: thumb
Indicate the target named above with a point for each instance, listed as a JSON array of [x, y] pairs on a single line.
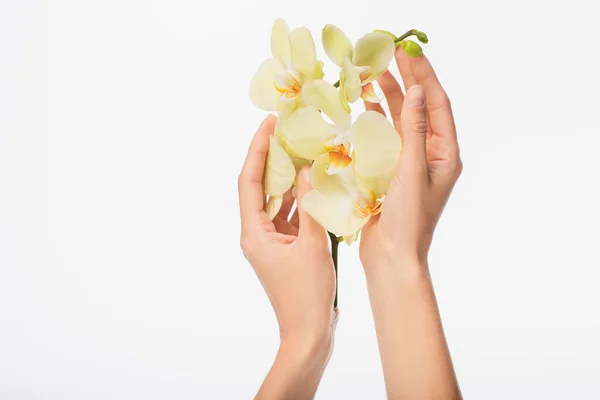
[[308, 228], [413, 123]]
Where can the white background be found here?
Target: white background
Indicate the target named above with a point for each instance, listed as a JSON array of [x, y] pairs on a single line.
[[123, 126]]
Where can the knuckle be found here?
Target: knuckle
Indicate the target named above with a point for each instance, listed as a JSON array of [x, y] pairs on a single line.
[[419, 122]]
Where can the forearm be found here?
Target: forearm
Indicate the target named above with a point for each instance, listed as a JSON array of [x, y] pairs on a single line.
[[414, 354], [297, 370]]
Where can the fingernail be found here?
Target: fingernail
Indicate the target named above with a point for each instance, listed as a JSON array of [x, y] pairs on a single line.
[[415, 96]]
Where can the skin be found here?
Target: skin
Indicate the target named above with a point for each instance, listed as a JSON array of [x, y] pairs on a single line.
[[394, 246], [292, 260], [294, 264]]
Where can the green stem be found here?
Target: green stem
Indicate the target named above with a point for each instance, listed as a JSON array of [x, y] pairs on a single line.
[[399, 39], [334, 255]]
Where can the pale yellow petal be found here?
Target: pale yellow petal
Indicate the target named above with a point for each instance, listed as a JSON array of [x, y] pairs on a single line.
[[378, 184], [374, 50], [318, 72], [304, 53], [324, 182], [336, 44], [377, 145], [325, 97], [274, 205], [280, 42], [352, 85], [305, 133], [262, 91], [279, 171], [334, 213]]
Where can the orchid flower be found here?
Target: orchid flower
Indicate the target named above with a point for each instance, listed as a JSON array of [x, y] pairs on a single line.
[[361, 64], [343, 203], [307, 135], [279, 80]]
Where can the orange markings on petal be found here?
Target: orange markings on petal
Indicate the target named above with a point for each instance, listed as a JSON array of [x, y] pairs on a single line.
[[339, 156], [339, 159], [368, 94], [372, 208]]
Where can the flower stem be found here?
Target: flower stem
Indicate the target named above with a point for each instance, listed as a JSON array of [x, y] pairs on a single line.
[[399, 39], [334, 255]]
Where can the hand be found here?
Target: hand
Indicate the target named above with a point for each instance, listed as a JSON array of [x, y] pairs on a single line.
[[293, 262], [414, 353], [427, 170]]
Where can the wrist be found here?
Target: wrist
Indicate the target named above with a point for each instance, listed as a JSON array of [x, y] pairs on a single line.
[[406, 266], [307, 349]]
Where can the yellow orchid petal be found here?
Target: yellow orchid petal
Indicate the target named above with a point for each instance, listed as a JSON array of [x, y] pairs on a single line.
[[305, 133], [325, 97], [324, 182], [273, 206], [303, 51], [280, 42], [332, 202], [318, 72], [374, 50], [377, 147], [279, 171], [368, 94], [352, 86], [262, 91], [342, 93], [378, 184], [336, 44], [334, 213]]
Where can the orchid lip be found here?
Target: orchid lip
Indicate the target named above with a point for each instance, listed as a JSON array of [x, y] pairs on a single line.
[[287, 84], [372, 208]]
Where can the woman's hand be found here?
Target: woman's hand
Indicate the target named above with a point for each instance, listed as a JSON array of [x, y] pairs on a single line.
[[427, 171], [394, 246], [291, 258]]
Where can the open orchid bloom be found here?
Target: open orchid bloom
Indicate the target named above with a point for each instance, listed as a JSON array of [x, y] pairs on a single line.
[[278, 82], [344, 202], [360, 64], [307, 135], [352, 163]]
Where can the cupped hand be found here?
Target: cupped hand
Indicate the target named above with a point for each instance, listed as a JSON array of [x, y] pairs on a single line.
[[427, 170], [290, 256]]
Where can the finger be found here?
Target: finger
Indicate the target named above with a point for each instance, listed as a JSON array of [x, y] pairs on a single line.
[[438, 104], [286, 206], [309, 228], [250, 182], [295, 220], [404, 66], [281, 219], [414, 124], [374, 107], [393, 95]]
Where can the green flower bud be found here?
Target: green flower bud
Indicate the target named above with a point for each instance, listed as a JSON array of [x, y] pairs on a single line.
[[421, 36], [387, 33], [412, 49]]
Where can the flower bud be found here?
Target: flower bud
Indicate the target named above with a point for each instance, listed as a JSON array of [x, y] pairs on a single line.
[[421, 36], [411, 48]]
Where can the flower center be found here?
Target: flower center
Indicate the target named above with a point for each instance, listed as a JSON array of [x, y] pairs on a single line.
[[372, 208], [287, 85], [339, 156]]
